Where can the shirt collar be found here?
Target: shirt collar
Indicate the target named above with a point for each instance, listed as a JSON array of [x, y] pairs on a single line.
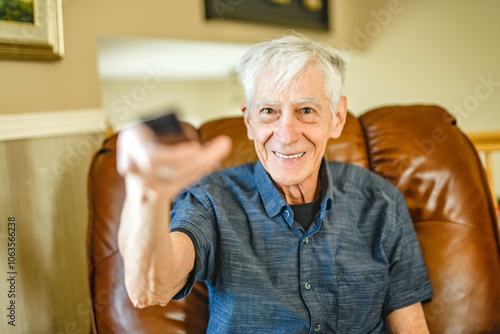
[[273, 200], [327, 187], [271, 197]]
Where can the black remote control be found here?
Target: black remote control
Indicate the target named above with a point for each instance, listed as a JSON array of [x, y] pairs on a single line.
[[167, 128]]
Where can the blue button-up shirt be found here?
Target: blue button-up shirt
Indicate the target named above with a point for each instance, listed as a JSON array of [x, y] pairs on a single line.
[[358, 260]]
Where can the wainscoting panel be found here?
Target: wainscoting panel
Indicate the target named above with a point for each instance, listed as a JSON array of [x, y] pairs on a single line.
[[43, 186]]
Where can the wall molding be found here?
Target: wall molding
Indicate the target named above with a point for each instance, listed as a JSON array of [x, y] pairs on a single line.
[[50, 124]]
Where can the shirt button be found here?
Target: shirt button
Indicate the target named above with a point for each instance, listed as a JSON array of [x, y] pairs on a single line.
[[307, 285], [317, 328], [306, 240], [287, 214]]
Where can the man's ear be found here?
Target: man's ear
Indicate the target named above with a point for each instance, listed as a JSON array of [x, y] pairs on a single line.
[[246, 117], [339, 119]]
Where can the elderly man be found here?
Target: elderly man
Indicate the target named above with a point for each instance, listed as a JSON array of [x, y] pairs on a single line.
[[290, 244]]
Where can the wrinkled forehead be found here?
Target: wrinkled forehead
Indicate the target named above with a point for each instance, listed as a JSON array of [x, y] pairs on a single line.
[[309, 83]]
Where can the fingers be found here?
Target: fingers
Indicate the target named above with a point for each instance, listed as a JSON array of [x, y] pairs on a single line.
[[133, 149], [163, 167], [184, 163], [218, 149], [191, 156]]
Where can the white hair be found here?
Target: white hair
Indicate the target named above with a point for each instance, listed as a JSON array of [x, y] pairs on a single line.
[[285, 58]]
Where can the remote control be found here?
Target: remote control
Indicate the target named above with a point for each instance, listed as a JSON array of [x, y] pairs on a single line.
[[167, 128]]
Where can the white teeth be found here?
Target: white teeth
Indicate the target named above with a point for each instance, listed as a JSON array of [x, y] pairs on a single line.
[[293, 156]]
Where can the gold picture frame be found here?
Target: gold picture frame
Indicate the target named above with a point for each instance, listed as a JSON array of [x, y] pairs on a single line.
[[40, 40]]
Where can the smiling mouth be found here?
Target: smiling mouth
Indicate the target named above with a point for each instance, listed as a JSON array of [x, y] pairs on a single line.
[[293, 156]]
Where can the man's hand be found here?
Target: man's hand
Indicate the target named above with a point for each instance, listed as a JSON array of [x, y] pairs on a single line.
[[166, 169], [157, 262]]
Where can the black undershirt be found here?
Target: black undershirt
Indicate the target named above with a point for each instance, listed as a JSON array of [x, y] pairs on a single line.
[[305, 213]]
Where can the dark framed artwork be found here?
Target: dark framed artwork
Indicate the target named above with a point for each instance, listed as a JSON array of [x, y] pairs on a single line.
[[311, 14]]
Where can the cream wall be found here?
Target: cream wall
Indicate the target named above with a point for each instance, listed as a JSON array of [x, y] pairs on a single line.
[[195, 101], [73, 82], [434, 52]]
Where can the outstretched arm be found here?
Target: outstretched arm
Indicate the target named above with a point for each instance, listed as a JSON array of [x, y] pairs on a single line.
[[156, 262]]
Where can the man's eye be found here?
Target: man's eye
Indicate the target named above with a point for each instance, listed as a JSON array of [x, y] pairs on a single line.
[[307, 110], [267, 111]]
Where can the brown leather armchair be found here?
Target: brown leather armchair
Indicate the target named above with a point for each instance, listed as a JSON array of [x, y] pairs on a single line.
[[417, 148]]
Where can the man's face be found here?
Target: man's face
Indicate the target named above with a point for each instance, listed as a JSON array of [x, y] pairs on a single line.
[[291, 128]]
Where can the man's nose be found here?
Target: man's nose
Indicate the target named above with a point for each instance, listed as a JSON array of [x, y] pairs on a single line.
[[287, 129]]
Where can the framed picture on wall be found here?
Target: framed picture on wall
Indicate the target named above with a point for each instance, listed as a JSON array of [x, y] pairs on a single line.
[[311, 14], [31, 29]]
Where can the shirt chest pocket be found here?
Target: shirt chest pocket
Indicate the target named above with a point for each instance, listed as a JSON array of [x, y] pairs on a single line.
[[360, 300]]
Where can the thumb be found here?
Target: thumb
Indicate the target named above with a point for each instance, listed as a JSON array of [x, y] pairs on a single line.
[[217, 150]]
